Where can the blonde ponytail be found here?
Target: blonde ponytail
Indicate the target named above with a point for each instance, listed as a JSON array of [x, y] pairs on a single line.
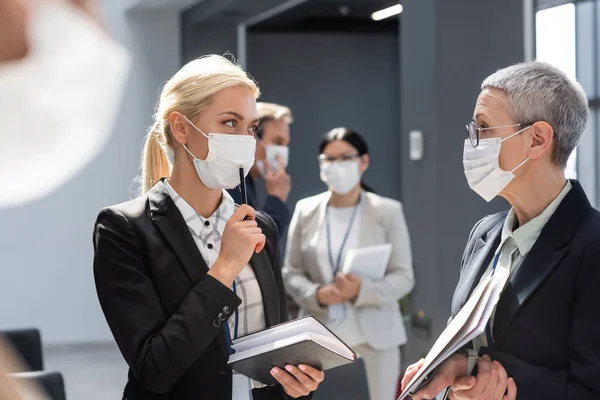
[[188, 92], [155, 164]]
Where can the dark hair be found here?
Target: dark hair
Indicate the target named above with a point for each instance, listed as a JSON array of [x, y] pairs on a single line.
[[351, 137], [261, 126]]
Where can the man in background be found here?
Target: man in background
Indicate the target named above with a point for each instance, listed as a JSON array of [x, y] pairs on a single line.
[[271, 159]]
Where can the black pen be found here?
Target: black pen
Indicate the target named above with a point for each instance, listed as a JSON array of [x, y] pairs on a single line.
[[243, 186], [243, 189]]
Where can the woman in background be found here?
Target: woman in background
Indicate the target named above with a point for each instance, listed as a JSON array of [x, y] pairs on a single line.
[[181, 271], [363, 313]]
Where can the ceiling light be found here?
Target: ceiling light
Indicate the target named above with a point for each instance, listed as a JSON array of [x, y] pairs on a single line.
[[387, 12]]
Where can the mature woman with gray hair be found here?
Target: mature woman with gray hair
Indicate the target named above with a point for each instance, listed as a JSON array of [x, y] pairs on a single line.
[[543, 339]]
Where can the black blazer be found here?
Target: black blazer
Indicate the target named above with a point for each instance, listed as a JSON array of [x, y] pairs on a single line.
[[273, 206], [165, 312], [547, 324]]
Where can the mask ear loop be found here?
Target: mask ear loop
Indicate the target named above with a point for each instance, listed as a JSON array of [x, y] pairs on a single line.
[[508, 137], [189, 152], [198, 129], [515, 134], [520, 165]]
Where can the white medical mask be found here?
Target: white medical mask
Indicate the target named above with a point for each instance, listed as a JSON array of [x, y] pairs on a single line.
[[341, 176], [58, 104], [226, 155], [272, 155], [482, 167]]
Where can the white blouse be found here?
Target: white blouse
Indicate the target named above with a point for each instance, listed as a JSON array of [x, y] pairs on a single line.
[[342, 317]]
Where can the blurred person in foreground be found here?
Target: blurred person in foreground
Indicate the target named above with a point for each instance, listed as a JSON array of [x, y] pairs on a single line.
[[272, 155], [61, 80], [53, 116], [543, 339]]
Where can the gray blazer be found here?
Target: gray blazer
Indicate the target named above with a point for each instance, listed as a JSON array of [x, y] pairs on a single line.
[[382, 221]]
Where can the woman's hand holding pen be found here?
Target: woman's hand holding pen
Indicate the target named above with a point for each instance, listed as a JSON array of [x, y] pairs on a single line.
[[241, 238]]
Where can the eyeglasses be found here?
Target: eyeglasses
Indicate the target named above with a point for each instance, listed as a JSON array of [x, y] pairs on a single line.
[[325, 159], [473, 131]]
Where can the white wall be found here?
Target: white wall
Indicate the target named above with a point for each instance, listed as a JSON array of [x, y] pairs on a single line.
[[46, 252]]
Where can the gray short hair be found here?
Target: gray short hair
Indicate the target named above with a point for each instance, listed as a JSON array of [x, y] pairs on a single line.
[[537, 91]]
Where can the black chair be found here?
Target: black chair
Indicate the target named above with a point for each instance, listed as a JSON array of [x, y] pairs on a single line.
[[28, 344], [51, 382], [348, 382]]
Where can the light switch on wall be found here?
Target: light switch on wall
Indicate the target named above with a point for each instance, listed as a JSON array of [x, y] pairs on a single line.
[[415, 139]]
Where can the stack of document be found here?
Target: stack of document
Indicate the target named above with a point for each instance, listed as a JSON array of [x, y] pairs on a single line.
[[368, 262], [301, 341], [468, 324]]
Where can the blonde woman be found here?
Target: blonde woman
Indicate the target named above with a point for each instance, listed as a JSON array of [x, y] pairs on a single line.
[[363, 313], [181, 270]]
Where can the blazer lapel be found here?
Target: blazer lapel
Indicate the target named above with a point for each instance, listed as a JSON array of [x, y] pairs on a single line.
[[481, 257], [546, 254], [261, 264], [537, 266], [316, 226], [371, 233], [172, 226]]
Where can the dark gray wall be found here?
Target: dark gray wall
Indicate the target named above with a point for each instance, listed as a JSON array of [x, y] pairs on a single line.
[[447, 49], [199, 39], [330, 80]]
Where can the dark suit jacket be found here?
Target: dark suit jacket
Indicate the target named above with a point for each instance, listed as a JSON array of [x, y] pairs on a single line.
[[273, 207], [165, 312], [547, 324]]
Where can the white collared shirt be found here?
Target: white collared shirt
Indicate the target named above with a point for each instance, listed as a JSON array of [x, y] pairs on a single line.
[[207, 234], [516, 244]]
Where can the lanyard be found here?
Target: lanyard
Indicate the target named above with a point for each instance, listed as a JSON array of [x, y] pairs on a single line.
[[235, 329], [496, 259], [336, 266]]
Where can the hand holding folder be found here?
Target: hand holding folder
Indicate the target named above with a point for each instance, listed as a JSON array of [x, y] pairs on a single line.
[[469, 323], [491, 382], [304, 341]]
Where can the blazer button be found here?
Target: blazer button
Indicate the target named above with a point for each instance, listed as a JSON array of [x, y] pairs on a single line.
[[227, 310], [217, 323], [222, 316]]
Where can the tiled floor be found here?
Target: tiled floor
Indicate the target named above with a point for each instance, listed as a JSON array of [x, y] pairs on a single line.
[[91, 372]]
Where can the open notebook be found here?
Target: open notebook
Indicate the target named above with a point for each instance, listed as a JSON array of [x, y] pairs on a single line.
[[301, 341], [469, 323]]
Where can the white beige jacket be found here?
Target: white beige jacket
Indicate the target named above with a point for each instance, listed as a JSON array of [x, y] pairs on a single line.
[[382, 221]]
